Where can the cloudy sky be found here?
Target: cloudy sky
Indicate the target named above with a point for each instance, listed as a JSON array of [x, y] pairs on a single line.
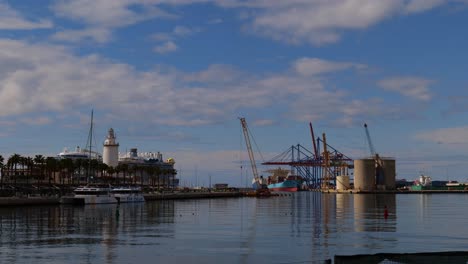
[[175, 75]]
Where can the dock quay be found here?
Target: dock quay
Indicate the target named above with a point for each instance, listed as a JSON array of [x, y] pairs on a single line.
[[393, 191], [56, 200], [190, 195], [26, 201]]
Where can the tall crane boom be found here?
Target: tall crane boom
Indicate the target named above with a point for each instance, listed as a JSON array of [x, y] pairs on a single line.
[[369, 141], [313, 140], [249, 148]]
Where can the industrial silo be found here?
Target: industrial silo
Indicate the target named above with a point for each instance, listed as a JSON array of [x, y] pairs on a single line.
[[389, 171], [342, 182], [364, 174]]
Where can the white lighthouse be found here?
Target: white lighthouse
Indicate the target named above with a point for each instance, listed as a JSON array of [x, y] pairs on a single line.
[[110, 153]]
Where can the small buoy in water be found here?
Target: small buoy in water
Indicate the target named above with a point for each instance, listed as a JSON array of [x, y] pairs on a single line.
[[385, 212]]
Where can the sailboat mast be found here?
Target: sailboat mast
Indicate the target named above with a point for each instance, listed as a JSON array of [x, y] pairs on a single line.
[[90, 142]]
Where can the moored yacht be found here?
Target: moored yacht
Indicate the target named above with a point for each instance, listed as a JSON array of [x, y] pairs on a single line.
[[93, 195], [128, 194]]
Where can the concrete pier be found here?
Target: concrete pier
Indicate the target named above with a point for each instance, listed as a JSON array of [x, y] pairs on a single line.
[[23, 201], [33, 200], [393, 191], [190, 195]]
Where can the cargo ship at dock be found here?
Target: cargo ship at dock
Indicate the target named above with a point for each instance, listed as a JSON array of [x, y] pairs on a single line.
[[282, 180], [425, 183]]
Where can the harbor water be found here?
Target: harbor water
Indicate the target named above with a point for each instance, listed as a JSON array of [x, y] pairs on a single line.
[[306, 227]]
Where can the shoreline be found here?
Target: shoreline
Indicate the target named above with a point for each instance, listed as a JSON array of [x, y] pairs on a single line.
[[56, 200]]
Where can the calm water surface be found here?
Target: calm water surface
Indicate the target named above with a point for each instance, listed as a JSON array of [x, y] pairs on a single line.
[[302, 228]]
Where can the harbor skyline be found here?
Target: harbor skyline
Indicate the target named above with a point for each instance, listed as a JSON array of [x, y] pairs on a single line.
[[174, 76]]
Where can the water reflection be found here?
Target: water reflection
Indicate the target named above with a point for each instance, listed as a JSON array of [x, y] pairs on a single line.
[[369, 212], [298, 228], [58, 228]]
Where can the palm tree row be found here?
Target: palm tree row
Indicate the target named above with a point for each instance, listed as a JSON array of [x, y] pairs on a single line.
[[40, 170]]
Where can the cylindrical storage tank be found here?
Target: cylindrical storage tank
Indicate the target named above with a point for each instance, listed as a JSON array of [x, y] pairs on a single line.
[[389, 173], [364, 174], [342, 182]]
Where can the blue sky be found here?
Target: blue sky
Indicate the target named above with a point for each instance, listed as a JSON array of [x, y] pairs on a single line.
[[175, 75]]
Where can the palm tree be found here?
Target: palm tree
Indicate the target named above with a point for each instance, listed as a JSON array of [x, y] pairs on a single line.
[[110, 171], [1, 170], [150, 173], [69, 166], [30, 165], [104, 169], [51, 168], [39, 161], [79, 167], [124, 169], [131, 171], [142, 170], [94, 166], [173, 173], [13, 162], [117, 172], [157, 172]]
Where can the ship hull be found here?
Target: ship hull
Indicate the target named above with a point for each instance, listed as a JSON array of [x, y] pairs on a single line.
[[286, 186], [283, 189]]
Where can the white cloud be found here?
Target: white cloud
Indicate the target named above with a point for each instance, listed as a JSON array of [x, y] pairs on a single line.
[[101, 16], [314, 66], [47, 78], [454, 135], [162, 36], [214, 73], [263, 122], [100, 35], [320, 22], [167, 39], [182, 31], [108, 13], [43, 120], [166, 47], [416, 6], [10, 19], [215, 21], [413, 87], [295, 21]]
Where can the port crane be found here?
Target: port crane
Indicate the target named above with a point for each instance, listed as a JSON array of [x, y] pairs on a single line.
[[257, 180], [379, 171], [369, 141], [311, 165]]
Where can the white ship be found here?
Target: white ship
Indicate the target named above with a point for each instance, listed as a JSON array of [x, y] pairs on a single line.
[[93, 195], [128, 194], [79, 153]]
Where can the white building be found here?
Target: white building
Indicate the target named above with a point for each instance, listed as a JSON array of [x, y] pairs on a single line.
[[110, 153]]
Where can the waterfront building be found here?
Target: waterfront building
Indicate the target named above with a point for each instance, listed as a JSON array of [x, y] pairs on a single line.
[[83, 166], [149, 168]]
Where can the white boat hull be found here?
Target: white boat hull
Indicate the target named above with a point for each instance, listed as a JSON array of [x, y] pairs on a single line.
[[125, 198], [95, 199]]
